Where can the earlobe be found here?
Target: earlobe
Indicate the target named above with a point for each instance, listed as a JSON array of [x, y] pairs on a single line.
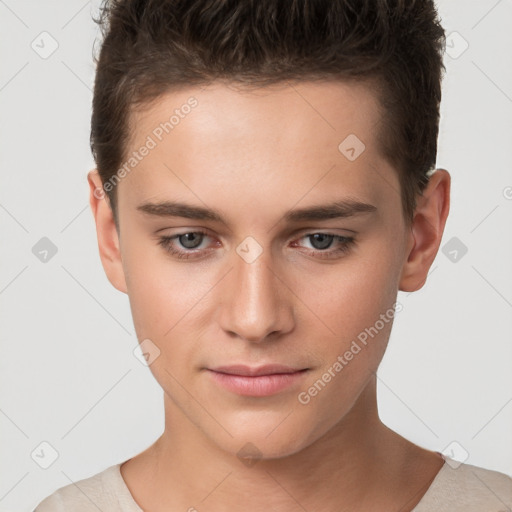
[[106, 232], [426, 231]]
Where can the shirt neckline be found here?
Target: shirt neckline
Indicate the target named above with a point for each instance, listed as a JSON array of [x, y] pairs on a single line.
[[434, 484], [127, 495], [124, 491]]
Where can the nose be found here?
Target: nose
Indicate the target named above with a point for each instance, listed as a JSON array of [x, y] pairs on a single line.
[[256, 303]]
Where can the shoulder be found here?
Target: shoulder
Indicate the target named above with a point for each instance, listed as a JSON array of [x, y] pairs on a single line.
[[102, 491], [467, 488]]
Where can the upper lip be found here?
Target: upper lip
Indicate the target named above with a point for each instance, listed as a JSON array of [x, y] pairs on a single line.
[[253, 371]]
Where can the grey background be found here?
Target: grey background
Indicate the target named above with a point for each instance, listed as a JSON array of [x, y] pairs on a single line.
[[68, 373]]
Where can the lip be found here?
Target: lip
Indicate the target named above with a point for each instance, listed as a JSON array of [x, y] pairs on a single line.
[[257, 381]]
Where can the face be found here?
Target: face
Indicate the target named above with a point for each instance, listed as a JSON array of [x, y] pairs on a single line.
[[262, 247]]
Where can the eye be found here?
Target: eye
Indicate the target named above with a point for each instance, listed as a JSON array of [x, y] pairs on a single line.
[[191, 240], [320, 242], [188, 241]]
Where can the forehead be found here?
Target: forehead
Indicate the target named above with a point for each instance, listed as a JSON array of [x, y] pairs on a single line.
[[245, 146]]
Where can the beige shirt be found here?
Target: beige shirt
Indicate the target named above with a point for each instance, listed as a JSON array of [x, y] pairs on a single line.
[[464, 488]]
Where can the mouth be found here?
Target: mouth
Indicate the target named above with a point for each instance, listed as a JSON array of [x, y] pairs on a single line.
[[257, 381]]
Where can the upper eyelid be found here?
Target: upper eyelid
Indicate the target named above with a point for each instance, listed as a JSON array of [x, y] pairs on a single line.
[[296, 233]]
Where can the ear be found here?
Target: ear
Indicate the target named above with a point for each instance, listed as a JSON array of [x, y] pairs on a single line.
[[108, 237], [426, 231]]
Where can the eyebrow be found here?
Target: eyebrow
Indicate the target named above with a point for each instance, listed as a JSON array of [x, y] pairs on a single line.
[[338, 209]]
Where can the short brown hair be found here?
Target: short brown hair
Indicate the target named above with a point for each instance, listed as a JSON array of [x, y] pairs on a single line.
[[153, 46]]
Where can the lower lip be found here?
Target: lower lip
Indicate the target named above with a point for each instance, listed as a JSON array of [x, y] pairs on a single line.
[[261, 385]]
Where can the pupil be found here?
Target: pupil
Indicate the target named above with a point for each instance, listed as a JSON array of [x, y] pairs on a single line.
[[321, 240], [189, 241]]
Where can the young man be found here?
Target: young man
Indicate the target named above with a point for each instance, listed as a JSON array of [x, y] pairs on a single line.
[[264, 188]]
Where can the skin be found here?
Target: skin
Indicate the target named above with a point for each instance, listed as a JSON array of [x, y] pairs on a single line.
[[253, 156]]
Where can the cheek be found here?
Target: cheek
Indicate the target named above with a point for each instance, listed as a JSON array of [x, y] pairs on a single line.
[[163, 295], [353, 306], [350, 296]]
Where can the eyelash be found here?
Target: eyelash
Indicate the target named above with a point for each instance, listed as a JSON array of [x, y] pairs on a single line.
[[346, 244]]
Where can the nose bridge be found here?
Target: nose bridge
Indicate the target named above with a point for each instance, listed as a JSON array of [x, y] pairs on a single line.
[[257, 304]]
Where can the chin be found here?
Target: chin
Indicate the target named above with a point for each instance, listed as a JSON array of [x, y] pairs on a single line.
[[266, 440], [252, 448]]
